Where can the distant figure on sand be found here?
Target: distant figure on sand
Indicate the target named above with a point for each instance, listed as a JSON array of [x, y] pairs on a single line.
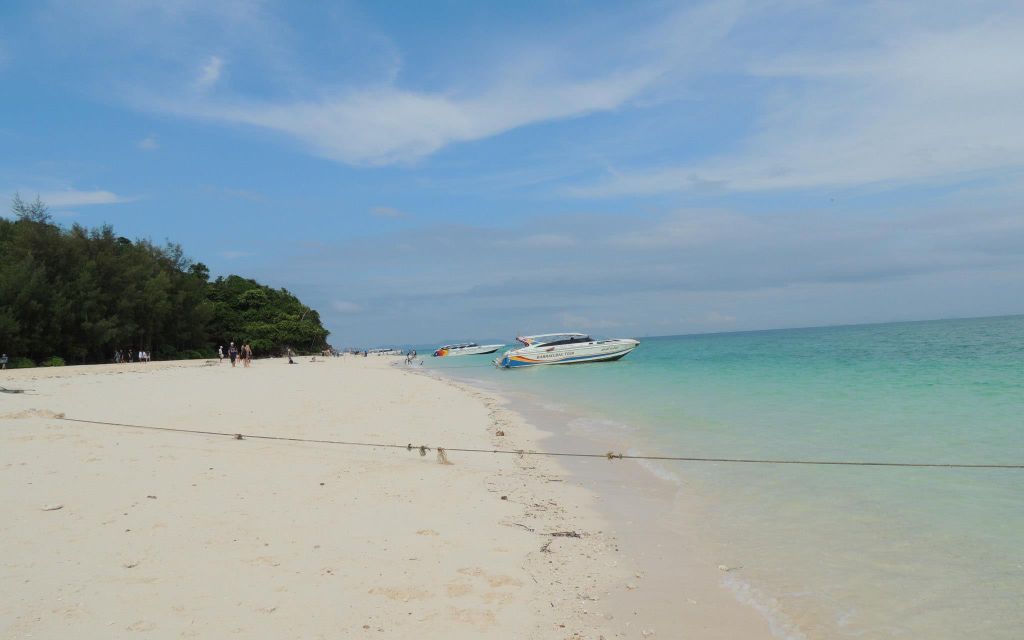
[[246, 354], [3, 362], [232, 353], [220, 354], [290, 354]]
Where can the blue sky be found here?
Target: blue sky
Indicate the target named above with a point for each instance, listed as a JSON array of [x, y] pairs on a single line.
[[456, 170]]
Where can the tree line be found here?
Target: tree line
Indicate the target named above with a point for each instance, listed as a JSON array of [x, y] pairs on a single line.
[[78, 295]]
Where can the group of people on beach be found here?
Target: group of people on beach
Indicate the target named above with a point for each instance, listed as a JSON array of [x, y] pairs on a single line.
[[127, 355], [234, 354]]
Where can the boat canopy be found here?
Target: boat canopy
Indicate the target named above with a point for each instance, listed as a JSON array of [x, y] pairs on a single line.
[[459, 346], [554, 338]]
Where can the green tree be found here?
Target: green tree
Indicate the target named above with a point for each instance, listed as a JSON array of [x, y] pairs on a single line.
[[80, 294], [34, 211]]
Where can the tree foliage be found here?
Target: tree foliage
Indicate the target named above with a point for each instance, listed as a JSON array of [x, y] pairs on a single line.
[[81, 294], [268, 319]]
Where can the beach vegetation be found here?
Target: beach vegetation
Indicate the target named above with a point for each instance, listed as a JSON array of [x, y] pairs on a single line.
[[270, 320], [83, 294], [20, 362], [53, 361]]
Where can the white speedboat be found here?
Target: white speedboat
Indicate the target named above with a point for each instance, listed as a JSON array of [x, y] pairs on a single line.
[[466, 349], [564, 348]]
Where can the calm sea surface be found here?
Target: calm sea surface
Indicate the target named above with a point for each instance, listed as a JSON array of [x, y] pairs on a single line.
[[847, 552]]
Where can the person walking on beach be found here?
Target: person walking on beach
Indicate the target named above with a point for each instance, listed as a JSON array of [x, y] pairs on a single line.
[[232, 353], [246, 354], [220, 354], [3, 362]]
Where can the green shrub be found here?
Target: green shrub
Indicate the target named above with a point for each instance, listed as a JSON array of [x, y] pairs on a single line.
[[52, 361], [20, 363]]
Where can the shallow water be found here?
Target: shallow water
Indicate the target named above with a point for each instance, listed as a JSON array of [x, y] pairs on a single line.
[[836, 552]]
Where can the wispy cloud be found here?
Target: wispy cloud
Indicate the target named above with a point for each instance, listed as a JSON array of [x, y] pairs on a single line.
[[76, 198], [374, 112], [149, 143], [695, 269], [209, 73], [913, 104], [388, 125], [524, 81]]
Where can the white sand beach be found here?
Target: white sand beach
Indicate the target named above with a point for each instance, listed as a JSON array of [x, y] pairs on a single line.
[[112, 532]]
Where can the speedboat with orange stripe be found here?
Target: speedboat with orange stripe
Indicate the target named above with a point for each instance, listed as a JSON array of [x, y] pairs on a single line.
[[564, 348], [466, 349]]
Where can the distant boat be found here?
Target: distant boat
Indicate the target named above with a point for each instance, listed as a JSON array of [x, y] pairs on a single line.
[[564, 348], [466, 349], [385, 351]]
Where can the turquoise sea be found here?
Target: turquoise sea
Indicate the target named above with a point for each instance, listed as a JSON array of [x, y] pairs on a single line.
[[836, 552]]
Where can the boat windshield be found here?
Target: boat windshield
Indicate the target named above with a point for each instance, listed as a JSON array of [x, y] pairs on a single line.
[[551, 341]]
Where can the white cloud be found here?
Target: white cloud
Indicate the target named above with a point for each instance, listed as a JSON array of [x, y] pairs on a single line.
[[149, 143], [75, 198], [387, 125], [209, 73], [918, 106], [689, 270], [344, 306], [359, 110]]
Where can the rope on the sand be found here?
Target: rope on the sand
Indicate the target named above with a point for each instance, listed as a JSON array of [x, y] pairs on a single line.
[[442, 451]]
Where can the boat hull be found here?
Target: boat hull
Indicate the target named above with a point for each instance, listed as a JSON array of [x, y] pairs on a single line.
[[470, 351], [576, 354]]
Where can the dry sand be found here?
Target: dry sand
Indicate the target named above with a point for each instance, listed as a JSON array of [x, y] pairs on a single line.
[[112, 532]]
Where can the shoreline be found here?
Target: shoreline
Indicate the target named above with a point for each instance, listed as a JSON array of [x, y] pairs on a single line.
[[675, 584], [626, 575]]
